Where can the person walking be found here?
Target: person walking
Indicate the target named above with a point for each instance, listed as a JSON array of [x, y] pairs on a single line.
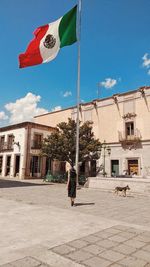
[[71, 185]]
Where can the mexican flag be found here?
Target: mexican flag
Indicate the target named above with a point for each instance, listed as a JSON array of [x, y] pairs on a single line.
[[49, 39]]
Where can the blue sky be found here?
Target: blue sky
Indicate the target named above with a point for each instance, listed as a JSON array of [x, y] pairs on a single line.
[[115, 53]]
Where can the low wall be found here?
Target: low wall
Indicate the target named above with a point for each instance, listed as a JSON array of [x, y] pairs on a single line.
[[137, 185]]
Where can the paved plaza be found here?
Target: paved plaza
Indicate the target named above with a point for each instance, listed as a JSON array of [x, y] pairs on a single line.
[[39, 228]]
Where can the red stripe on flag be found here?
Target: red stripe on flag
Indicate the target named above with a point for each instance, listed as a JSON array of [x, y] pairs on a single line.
[[32, 55]]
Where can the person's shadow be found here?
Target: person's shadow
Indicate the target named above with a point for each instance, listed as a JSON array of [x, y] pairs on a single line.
[[83, 204]]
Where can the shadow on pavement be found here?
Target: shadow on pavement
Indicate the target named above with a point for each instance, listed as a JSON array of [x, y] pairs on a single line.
[[8, 184], [83, 204]]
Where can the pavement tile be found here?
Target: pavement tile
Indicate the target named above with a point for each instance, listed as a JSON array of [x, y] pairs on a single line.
[[103, 234], [132, 262], [124, 249], [91, 238], [56, 260], [106, 243], [142, 254], [135, 230], [134, 243], [112, 230], [79, 256], [97, 262], [121, 227], [27, 261], [63, 249], [127, 234], [94, 249], [111, 255], [78, 243], [118, 238]]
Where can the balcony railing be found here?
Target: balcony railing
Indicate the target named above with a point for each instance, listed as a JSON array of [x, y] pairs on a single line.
[[35, 144], [132, 138], [6, 147]]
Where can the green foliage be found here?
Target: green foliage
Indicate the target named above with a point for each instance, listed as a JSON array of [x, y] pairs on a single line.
[[61, 145]]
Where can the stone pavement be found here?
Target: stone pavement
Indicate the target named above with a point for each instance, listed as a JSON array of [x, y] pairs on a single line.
[[39, 228]]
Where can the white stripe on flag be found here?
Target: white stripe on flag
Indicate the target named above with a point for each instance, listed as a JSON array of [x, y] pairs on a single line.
[[49, 54]]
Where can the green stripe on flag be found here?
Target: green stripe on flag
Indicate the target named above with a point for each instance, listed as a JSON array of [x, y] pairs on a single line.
[[67, 28]]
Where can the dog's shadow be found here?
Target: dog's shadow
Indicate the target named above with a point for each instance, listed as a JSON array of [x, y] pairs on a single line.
[[83, 204], [130, 196]]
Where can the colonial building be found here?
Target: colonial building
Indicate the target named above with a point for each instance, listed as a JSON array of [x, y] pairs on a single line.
[[20, 150], [122, 124]]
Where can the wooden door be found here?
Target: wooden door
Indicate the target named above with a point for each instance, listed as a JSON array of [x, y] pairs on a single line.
[[133, 167]]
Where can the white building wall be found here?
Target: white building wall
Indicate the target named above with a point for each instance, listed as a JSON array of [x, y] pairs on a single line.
[[19, 136], [117, 153]]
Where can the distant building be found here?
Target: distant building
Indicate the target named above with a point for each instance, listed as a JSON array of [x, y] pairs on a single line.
[[20, 146], [123, 121]]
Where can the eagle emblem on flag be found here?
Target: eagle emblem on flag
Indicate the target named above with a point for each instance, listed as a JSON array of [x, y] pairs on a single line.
[[49, 41]]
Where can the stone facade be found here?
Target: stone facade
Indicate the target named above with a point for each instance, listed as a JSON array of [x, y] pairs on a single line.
[[122, 124]]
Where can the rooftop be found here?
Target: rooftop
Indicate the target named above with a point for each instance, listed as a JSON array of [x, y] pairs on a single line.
[[98, 100]]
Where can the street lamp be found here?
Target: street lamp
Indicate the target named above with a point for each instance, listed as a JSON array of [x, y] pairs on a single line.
[[105, 150]]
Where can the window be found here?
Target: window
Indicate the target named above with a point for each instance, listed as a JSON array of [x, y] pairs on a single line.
[[37, 140], [2, 139], [129, 128], [1, 164], [10, 141]]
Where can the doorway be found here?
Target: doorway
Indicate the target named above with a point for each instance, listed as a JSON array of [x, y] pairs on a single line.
[[1, 164], [93, 168], [17, 165], [133, 167], [8, 162], [35, 166], [115, 167]]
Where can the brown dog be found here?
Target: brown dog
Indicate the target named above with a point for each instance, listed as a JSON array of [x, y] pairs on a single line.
[[122, 189]]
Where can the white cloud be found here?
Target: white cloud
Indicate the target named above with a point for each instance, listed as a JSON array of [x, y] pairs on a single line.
[[67, 93], [56, 108], [148, 72], [24, 109], [3, 116], [146, 61], [108, 83]]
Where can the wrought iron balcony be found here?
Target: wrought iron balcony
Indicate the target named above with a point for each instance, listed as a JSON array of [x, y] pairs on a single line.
[[6, 147], [35, 144], [129, 139]]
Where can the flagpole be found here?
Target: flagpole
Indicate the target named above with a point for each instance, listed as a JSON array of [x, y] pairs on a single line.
[[78, 90]]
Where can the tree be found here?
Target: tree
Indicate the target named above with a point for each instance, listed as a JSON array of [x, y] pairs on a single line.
[[61, 145]]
